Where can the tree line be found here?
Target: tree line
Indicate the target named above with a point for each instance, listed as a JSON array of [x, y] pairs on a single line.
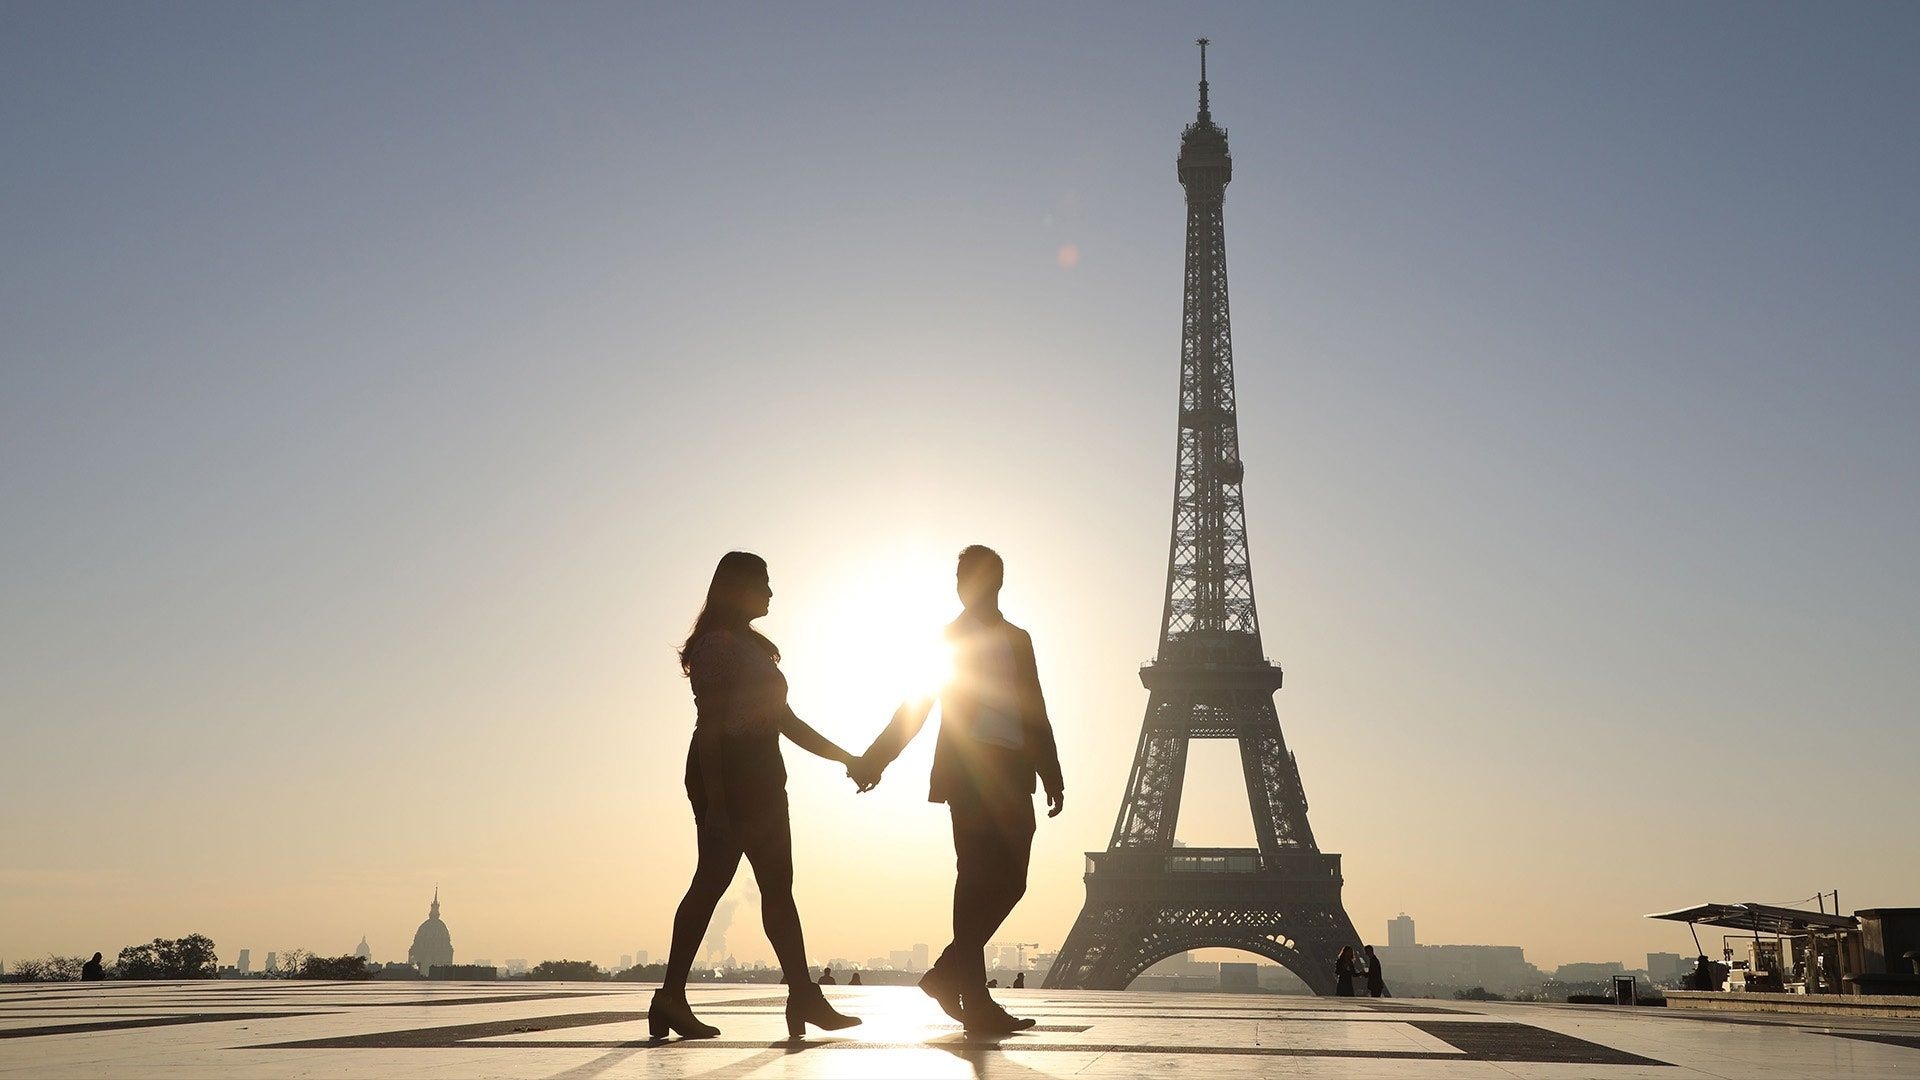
[[190, 957]]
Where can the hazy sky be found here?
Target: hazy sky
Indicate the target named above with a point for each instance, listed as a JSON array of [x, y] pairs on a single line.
[[379, 384]]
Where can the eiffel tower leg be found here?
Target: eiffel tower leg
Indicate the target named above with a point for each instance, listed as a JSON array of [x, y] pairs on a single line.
[[1274, 792], [1093, 932], [1151, 807]]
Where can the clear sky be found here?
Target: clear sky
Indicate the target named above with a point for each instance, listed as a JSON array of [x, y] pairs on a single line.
[[379, 384]]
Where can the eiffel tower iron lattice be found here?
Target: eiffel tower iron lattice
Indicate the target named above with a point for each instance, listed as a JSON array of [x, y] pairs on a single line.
[[1146, 899]]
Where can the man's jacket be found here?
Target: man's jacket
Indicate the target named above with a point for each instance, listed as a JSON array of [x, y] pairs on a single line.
[[959, 757]]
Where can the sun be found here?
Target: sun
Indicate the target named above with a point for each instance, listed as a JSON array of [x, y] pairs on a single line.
[[871, 635]]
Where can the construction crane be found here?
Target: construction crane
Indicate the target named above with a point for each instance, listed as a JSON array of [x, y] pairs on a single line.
[[1023, 946]]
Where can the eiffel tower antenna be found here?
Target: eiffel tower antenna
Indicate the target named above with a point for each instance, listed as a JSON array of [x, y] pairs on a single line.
[[1211, 679], [1206, 115]]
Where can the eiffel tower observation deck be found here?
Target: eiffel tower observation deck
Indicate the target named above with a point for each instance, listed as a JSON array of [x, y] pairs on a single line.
[[1211, 679]]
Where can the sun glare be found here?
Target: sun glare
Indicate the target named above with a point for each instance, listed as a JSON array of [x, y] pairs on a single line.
[[873, 635]]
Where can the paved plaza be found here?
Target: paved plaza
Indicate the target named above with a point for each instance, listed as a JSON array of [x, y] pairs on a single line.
[[576, 1031]]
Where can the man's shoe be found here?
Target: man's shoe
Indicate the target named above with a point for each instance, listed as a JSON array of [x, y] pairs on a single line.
[[985, 1017], [941, 989]]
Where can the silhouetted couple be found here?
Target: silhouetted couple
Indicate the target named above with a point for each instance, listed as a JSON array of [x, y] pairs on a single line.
[[995, 741], [1345, 970]]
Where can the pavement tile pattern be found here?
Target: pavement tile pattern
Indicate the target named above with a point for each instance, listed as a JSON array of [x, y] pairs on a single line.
[[571, 1031]]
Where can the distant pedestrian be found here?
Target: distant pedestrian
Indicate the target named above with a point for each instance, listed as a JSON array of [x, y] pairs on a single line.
[[1019, 980], [91, 971], [1343, 972], [854, 980], [827, 979], [1376, 980]]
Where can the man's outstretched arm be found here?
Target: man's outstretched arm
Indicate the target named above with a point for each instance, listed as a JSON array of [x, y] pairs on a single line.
[[907, 721]]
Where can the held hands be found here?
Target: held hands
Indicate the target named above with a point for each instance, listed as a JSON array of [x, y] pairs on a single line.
[[864, 772]]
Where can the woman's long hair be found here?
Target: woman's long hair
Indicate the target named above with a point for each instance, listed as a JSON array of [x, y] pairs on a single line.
[[1346, 954], [726, 606]]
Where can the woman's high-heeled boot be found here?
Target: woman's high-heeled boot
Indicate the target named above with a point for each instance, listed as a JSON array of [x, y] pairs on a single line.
[[807, 1005], [671, 1011]]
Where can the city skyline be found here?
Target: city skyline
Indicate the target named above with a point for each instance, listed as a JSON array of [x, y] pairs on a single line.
[[1398, 934], [379, 389]]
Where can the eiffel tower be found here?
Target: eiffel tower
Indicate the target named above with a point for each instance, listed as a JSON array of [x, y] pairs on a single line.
[[1147, 899]]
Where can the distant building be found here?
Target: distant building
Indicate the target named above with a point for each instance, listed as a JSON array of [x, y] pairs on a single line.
[[900, 960], [921, 958], [875, 963], [626, 961], [639, 958], [1400, 932], [1180, 973], [1589, 973], [516, 968], [244, 965], [1499, 968], [432, 945], [273, 963], [1667, 967], [1240, 978], [1275, 979], [462, 973], [363, 950]]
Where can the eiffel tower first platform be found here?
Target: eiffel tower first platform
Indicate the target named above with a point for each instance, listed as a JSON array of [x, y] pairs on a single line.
[[1146, 899]]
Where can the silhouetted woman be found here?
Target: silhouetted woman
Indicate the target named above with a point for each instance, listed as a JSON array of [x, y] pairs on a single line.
[[1343, 972], [738, 786]]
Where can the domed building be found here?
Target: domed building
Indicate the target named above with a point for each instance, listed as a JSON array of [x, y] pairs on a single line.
[[432, 945], [363, 950]]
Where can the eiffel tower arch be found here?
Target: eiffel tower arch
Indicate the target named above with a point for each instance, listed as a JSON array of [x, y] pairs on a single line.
[[1146, 899]]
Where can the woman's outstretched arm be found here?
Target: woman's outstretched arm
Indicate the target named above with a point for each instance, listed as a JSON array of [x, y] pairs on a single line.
[[811, 741]]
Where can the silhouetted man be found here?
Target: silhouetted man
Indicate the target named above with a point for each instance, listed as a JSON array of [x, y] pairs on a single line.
[[994, 742], [827, 979], [1019, 980], [91, 971], [1376, 979]]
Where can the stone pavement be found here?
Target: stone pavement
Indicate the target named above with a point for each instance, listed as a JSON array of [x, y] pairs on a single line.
[[578, 1031]]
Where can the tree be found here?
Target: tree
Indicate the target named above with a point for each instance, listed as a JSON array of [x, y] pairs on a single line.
[[190, 957], [334, 967], [291, 963], [567, 971], [52, 969]]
